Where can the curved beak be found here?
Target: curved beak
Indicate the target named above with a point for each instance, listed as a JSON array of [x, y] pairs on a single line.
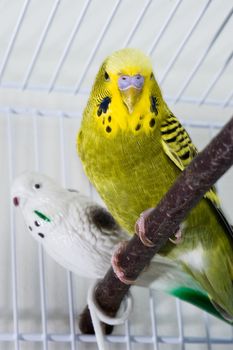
[[130, 97], [130, 88]]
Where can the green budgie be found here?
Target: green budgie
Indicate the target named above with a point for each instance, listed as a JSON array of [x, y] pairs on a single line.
[[133, 148]]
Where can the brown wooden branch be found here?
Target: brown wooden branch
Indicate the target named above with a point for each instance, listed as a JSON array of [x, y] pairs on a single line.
[[207, 167]]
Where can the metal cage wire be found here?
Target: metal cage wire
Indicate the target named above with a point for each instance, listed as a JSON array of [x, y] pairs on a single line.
[[49, 54]]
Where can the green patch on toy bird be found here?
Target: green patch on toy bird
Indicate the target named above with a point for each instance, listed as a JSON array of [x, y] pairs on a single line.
[[42, 216]]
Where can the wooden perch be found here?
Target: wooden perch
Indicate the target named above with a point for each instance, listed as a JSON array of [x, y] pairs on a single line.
[[163, 222]]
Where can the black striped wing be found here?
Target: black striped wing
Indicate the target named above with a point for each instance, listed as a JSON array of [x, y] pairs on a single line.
[[178, 146], [177, 143]]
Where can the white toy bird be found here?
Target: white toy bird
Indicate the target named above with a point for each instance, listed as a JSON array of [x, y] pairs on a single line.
[[82, 236], [76, 232]]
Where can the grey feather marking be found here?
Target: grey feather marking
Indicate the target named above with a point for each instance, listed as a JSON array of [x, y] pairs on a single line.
[[103, 220], [72, 190]]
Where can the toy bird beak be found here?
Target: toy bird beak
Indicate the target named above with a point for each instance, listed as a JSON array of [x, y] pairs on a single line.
[[130, 88]]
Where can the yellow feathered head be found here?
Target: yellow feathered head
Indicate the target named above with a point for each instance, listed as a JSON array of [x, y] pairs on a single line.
[[125, 87]]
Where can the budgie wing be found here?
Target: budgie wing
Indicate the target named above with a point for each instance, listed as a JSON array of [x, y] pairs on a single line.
[[178, 146]]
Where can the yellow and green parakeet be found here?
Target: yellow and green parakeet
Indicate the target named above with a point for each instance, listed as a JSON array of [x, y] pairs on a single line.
[[133, 148]]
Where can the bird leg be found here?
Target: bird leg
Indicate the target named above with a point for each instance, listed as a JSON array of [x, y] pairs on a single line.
[[140, 228], [116, 260]]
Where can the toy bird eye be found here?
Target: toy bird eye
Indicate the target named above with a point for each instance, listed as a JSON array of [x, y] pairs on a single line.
[[37, 186], [106, 76]]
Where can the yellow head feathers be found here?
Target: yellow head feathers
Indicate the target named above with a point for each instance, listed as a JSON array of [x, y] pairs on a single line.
[[128, 61]]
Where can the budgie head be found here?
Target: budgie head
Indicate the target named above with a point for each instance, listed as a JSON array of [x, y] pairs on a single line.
[[41, 200], [125, 94]]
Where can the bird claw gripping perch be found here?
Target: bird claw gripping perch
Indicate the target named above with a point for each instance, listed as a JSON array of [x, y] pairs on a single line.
[[115, 261], [178, 239], [140, 228]]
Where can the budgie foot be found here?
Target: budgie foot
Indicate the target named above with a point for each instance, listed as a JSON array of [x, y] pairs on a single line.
[[140, 228], [178, 236], [115, 261]]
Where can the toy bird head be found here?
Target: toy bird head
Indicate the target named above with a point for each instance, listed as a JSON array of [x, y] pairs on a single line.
[[32, 186], [41, 200], [125, 92]]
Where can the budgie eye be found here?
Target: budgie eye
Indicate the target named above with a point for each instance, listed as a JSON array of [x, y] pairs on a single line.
[[37, 186], [106, 76]]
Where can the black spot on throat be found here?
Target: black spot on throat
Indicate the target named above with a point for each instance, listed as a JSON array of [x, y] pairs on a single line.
[[138, 127], [108, 129], [37, 223], [152, 122], [103, 106], [41, 235]]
